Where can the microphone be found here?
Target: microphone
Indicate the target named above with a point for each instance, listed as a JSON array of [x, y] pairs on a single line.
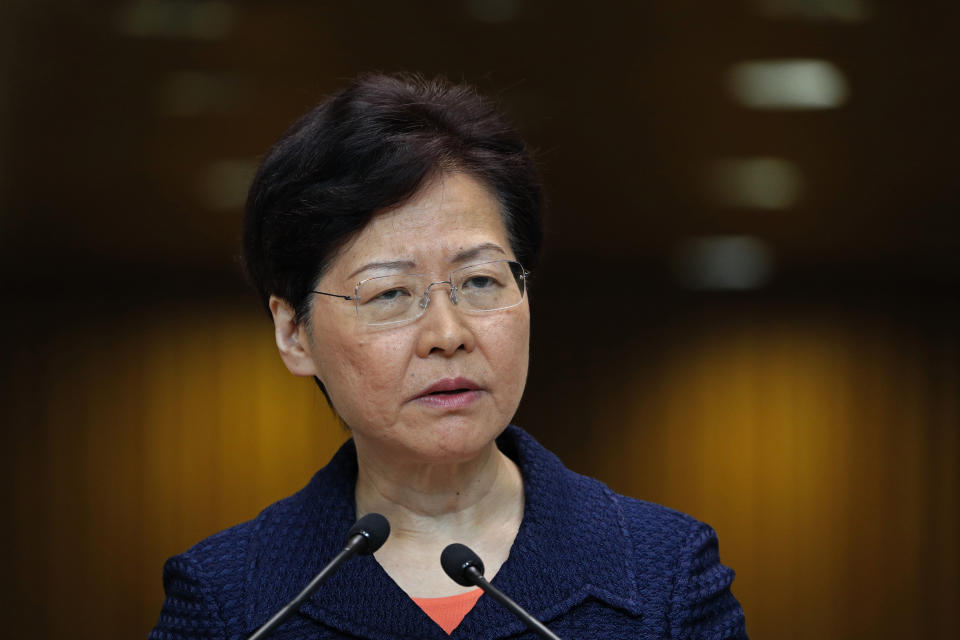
[[366, 536], [466, 568]]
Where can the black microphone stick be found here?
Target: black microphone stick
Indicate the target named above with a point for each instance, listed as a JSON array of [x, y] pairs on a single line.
[[366, 536], [466, 568]]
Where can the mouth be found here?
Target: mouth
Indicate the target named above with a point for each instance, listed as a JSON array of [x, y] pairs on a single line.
[[449, 386], [450, 393]]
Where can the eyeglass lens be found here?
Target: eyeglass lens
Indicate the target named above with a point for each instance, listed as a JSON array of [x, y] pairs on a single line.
[[489, 286]]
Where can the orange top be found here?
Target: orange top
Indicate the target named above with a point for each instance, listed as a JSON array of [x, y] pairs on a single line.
[[450, 611]]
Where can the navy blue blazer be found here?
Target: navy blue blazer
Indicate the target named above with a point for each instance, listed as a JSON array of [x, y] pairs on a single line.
[[588, 562]]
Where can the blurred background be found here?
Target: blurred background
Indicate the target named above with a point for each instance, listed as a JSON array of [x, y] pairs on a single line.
[[748, 308]]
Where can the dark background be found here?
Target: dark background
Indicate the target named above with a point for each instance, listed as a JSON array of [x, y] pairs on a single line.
[[808, 410]]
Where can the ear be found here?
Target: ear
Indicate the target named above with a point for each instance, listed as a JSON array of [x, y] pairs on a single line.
[[292, 339]]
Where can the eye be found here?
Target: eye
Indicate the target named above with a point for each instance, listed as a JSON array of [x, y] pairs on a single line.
[[390, 295], [385, 296], [480, 282]]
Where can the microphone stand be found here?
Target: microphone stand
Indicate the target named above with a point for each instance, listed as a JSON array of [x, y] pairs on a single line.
[[366, 536], [535, 625], [318, 580]]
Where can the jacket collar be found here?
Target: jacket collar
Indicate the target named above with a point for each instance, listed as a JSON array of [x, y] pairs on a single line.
[[572, 545]]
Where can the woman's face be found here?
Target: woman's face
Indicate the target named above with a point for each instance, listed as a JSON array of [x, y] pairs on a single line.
[[379, 378]]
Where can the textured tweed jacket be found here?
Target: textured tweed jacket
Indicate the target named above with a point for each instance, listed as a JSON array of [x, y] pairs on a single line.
[[590, 563]]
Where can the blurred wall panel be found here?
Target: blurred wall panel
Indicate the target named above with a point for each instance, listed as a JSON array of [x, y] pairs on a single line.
[[823, 448], [131, 439]]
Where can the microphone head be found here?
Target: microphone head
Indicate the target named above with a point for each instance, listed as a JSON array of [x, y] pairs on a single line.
[[456, 559], [374, 528]]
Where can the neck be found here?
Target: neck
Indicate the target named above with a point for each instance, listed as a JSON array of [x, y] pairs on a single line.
[[478, 502], [438, 499]]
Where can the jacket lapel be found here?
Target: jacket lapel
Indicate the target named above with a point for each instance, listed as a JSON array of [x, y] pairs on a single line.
[[572, 546]]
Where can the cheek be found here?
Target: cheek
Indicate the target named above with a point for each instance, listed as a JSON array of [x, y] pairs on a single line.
[[508, 348], [363, 374]]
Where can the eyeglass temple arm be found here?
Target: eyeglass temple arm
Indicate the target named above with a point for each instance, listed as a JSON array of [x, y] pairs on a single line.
[[334, 295]]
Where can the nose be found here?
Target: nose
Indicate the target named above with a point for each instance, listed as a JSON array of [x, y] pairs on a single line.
[[443, 329]]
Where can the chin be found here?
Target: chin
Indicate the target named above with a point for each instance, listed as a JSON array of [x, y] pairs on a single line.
[[452, 441]]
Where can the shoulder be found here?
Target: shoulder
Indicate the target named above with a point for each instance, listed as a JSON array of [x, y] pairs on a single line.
[[648, 523], [226, 580], [678, 555], [637, 540], [657, 539], [650, 526], [667, 560], [207, 586], [198, 582], [656, 527], [228, 550], [677, 562], [313, 518]]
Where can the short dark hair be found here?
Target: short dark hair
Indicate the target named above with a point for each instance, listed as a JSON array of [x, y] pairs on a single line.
[[369, 147]]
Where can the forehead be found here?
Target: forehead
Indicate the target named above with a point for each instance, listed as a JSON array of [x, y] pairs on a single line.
[[452, 213]]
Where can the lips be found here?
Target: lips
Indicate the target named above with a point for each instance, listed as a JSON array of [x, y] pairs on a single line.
[[449, 393], [449, 385]]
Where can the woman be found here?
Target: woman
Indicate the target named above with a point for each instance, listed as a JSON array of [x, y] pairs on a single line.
[[389, 232]]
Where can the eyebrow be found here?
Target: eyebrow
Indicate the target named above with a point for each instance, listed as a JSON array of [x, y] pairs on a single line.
[[460, 256], [392, 264], [469, 254]]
